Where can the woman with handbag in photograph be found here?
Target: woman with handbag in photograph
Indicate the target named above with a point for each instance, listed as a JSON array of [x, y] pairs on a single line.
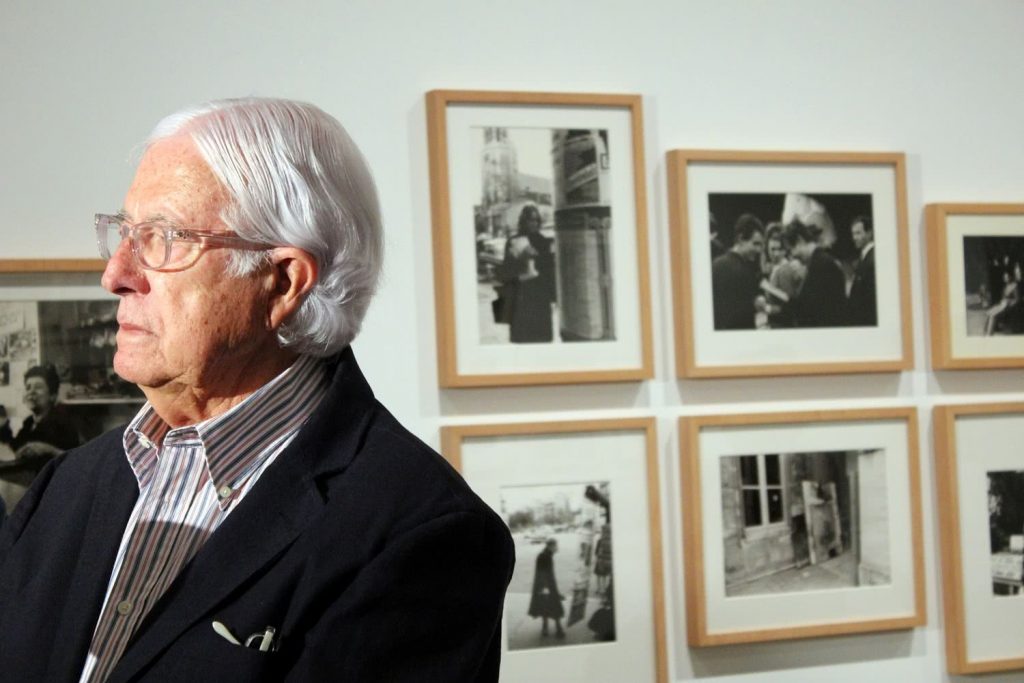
[[528, 280]]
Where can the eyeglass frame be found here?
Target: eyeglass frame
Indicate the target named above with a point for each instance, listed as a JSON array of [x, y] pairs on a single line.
[[171, 233]]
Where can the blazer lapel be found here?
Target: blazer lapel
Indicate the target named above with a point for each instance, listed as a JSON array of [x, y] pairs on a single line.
[[271, 516], [103, 531], [264, 524]]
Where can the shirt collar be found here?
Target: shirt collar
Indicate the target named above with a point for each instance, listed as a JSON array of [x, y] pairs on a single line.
[[236, 442]]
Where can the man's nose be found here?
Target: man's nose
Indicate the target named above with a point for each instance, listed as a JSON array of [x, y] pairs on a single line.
[[122, 274]]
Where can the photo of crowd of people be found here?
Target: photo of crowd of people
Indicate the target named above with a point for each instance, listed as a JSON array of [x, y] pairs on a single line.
[[562, 588], [544, 262], [992, 283], [792, 260]]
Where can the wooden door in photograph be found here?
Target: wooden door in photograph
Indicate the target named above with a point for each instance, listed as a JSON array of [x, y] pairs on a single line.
[[822, 513]]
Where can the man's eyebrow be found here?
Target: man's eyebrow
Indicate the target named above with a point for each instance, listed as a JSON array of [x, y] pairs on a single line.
[[154, 218]]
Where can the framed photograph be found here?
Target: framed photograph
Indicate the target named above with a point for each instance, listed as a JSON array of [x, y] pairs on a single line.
[[585, 602], [799, 525], [540, 238], [57, 384], [979, 475], [789, 263], [976, 285]]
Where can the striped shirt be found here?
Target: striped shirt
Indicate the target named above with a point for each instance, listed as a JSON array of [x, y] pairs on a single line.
[[188, 486]]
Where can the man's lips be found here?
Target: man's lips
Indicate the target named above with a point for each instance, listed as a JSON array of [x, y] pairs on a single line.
[[128, 327]]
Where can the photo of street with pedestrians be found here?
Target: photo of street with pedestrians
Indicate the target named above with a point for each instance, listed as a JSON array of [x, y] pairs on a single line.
[[542, 230], [562, 590]]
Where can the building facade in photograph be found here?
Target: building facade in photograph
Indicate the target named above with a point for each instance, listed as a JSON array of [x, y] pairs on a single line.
[[804, 521]]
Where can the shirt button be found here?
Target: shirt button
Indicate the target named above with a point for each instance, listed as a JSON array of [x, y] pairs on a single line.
[[224, 492], [124, 607]]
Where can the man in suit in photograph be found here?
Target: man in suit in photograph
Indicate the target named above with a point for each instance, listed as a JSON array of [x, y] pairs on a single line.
[[863, 305], [736, 277], [263, 517]]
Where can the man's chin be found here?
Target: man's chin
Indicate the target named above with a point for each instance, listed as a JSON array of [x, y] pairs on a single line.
[[133, 370]]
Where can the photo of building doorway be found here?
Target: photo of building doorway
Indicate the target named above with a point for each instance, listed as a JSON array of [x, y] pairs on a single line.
[[804, 521]]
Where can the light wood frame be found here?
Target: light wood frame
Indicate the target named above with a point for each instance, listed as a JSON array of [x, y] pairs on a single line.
[[449, 375], [939, 286], [687, 365], [83, 265], [947, 485], [698, 634], [452, 438]]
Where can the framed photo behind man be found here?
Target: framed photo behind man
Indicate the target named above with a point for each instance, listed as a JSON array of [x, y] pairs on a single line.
[[789, 263], [58, 388]]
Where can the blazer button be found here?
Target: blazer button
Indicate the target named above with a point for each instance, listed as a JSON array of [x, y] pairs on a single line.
[[124, 607]]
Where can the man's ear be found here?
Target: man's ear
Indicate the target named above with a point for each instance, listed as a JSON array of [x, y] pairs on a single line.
[[293, 273]]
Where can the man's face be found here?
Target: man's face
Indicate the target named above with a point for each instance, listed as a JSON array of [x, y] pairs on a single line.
[[751, 248], [775, 251], [37, 395], [803, 250], [188, 327], [861, 237]]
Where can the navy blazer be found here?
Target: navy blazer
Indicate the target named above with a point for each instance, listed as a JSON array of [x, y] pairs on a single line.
[[360, 545]]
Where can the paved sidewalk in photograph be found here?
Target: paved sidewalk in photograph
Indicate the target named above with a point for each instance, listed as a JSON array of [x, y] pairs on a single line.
[[838, 572], [524, 630]]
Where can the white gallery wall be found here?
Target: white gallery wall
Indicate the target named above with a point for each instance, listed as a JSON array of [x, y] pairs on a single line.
[[82, 83]]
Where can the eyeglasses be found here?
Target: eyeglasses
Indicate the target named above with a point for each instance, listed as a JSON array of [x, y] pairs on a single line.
[[157, 245]]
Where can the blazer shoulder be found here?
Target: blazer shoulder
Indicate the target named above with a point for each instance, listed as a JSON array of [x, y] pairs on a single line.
[[64, 483], [400, 471], [394, 445]]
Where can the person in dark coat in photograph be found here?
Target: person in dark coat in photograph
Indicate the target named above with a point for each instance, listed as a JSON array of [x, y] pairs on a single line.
[[528, 276], [822, 299], [736, 277], [545, 600], [863, 303]]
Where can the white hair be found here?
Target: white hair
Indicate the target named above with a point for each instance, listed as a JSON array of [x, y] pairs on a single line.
[[297, 179]]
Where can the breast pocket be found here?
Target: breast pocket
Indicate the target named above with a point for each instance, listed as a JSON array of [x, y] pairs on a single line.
[[203, 655]]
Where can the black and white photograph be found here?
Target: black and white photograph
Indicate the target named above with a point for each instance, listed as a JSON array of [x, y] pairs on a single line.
[[583, 604], [562, 588], [975, 285], [1006, 531], [980, 483], [804, 521], [540, 238], [992, 285], [542, 231], [59, 387], [801, 524], [811, 247], [792, 260]]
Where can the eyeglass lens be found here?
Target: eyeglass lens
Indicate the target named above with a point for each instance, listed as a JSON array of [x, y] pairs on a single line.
[[149, 244]]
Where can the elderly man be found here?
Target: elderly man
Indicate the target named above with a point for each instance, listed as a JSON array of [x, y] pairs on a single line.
[[262, 518]]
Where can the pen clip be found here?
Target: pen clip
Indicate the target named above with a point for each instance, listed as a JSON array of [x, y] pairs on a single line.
[[264, 642], [225, 633]]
